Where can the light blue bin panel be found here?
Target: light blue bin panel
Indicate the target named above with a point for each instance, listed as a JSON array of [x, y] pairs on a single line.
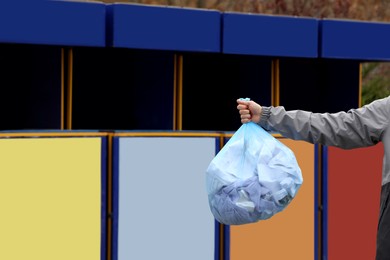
[[266, 35], [53, 23], [160, 201], [361, 40], [163, 28]]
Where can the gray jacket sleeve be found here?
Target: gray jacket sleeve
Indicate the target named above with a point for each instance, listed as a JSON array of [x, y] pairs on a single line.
[[356, 128]]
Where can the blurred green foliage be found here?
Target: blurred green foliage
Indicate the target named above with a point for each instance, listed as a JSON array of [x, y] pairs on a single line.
[[375, 81]]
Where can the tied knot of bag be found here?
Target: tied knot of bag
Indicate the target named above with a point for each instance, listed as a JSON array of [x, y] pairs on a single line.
[[253, 177]]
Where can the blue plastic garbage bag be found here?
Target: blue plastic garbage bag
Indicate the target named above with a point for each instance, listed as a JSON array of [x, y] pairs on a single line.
[[253, 177]]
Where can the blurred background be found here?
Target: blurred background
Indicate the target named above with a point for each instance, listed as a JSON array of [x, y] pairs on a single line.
[[116, 183]]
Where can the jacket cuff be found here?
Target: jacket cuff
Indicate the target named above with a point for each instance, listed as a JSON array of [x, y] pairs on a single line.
[[265, 114]]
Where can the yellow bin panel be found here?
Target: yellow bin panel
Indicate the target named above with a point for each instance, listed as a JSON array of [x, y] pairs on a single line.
[[50, 198]]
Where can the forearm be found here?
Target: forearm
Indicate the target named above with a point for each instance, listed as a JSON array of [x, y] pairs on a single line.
[[344, 129]]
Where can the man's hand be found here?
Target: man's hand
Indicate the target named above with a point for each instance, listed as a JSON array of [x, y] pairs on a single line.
[[249, 111]]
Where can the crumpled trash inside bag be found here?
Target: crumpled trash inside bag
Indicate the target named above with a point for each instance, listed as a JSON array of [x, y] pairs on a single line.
[[253, 177]]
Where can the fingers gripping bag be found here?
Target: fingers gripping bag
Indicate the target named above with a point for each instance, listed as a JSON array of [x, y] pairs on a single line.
[[253, 177]]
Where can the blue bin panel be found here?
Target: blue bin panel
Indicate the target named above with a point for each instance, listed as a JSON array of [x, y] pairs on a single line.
[[164, 28], [270, 35], [355, 40], [160, 199], [53, 23]]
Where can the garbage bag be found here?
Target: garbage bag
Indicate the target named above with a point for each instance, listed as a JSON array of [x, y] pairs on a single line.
[[253, 177]]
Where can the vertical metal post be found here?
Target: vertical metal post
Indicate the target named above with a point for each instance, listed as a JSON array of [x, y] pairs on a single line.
[[178, 93]]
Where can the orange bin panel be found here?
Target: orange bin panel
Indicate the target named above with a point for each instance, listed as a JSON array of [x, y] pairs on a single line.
[[289, 234]]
